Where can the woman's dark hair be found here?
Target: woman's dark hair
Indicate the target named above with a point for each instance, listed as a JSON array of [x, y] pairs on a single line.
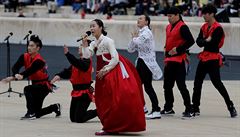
[[100, 24], [36, 40], [147, 18]]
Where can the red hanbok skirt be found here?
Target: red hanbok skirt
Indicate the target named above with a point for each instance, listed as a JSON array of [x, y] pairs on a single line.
[[119, 101]]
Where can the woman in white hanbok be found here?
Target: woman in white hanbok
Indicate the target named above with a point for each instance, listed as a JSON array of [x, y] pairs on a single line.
[[118, 91]]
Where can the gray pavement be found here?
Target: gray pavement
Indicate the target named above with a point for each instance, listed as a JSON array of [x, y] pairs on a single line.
[[213, 122]]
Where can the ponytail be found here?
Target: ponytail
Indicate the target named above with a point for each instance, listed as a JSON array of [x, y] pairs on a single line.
[[100, 24]]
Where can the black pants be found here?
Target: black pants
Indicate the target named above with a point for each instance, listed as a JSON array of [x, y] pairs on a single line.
[[78, 109], [174, 71], [35, 95], [146, 78], [213, 69]]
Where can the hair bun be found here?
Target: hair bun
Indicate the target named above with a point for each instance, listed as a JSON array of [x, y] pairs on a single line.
[[36, 40]]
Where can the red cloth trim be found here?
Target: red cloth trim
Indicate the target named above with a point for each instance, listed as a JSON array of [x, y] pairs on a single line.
[[206, 56], [78, 93], [179, 58]]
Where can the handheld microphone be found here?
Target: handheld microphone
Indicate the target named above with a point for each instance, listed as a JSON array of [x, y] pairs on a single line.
[[10, 34], [29, 33], [88, 33]]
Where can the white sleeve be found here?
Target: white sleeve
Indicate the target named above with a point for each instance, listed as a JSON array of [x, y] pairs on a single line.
[[89, 50], [86, 52], [132, 47], [141, 38], [114, 55]]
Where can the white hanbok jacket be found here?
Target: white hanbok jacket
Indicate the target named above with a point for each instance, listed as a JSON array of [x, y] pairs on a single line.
[[106, 45]]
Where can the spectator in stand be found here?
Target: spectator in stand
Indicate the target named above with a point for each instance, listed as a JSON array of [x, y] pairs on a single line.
[[76, 5], [10, 5], [154, 7], [195, 9], [20, 11], [14, 4], [183, 5], [22, 3], [165, 6], [119, 5], [142, 7], [92, 6], [83, 13], [105, 7], [218, 3], [203, 2], [234, 8], [52, 6], [109, 16]]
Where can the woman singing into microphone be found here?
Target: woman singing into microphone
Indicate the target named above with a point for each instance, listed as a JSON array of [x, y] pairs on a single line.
[[118, 91]]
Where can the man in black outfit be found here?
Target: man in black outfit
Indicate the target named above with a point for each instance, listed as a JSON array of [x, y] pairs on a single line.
[[211, 38], [35, 70], [178, 40]]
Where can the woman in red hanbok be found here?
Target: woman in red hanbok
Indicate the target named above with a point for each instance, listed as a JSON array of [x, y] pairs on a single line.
[[118, 91]]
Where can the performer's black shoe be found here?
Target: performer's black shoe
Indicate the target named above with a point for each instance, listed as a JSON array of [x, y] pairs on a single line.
[[167, 112], [187, 114], [196, 113], [58, 110], [28, 116], [233, 111]]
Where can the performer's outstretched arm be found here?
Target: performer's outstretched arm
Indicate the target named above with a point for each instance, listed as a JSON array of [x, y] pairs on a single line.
[[82, 64], [17, 66], [66, 73], [36, 65]]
